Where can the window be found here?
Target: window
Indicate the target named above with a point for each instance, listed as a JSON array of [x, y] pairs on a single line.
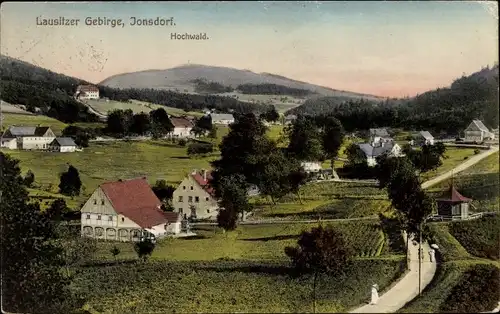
[[95, 202], [183, 187], [180, 199], [206, 199], [208, 211], [191, 187], [102, 202], [190, 199], [110, 218], [88, 216], [180, 210], [98, 217], [123, 219], [196, 199]]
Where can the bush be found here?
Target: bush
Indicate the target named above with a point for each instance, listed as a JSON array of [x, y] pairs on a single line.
[[200, 149], [476, 151], [182, 142]]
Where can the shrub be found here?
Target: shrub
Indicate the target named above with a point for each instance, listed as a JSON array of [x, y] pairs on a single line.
[[476, 151], [200, 149], [182, 142]]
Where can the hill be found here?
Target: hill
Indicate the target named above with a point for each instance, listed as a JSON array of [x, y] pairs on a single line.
[[184, 78], [447, 110]]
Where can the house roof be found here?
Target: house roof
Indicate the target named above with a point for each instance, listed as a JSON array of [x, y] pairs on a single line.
[[20, 131], [181, 122], [64, 141], [291, 117], [426, 135], [374, 151], [480, 125], [198, 177], [221, 116], [87, 88], [172, 216], [379, 132], [452, 196], [135, 200]]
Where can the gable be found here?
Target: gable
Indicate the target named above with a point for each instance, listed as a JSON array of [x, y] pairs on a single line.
[[97, 197], [472, 127]]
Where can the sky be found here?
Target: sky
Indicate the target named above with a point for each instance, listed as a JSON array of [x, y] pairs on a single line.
[[390, 49]]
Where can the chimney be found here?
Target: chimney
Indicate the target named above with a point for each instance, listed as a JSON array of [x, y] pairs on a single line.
[[120, 180], [204, 171]]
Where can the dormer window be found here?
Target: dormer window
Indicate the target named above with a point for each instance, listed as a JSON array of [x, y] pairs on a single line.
[[183, 187], [95, 202], [102, 202], [88, 216], [191, 187]]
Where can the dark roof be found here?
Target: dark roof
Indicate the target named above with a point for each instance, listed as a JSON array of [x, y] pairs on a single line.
[[181, 122], [374, 151], [20, 131], [198, 177], [135, 200], [63, 141], [426, 135], [382, 132], [452, 196]]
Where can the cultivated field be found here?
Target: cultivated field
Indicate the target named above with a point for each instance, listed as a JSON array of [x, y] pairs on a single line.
[[282, 103], [194, 274], [463, 283], [136, 106], [32, 120]]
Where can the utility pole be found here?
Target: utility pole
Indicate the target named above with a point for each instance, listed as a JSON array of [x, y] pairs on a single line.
[[420, 262]]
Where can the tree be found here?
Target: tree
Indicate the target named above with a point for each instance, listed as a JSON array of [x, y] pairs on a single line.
[[144, 248], [70, 183], [160, 123], [270, 115], [305, 140], [233, 200], [140, 124], [57, 210], [29, 178], [332, 138], [114, 251], [321, 250], [204, 123], [163, 191], [32, 260], [355, 155], [200, 149], [297, 178], [213, 132]]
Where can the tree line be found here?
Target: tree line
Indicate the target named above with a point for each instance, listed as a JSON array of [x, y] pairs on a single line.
[[272, 89]]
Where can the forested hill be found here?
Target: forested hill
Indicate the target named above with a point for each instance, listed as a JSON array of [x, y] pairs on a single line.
[[35, 87], [446, 109], [26, 84]]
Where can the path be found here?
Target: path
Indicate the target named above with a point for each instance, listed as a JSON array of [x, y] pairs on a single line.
[[405, 289]]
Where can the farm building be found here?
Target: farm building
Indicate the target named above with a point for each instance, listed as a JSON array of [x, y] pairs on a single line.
[[182, 127], [126, 210], [27, 137], [453, 205], [194, 198], [424, 138], [222, 118], [63, 145], [87, 92], [311, 166], [378, 136], [372, 152], [478, 132]]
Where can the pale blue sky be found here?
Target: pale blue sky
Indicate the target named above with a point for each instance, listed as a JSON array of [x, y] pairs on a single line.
[[385, 48]]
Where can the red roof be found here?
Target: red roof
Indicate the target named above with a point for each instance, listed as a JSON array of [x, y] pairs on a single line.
[[135, 200], [204, 183], [181, 122], [453, 196]]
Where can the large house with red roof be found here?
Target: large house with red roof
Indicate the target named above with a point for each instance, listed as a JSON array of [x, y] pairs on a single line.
[[182, 127], [87, 92], [126, 210], [194, 198]]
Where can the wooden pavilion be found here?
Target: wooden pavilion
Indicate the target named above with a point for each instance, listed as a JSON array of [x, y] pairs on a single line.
[[453, 205]]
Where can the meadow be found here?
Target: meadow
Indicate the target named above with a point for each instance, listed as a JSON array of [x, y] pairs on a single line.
[[465, 281], [104, 106], [452, 158], [194, 274], [32, 120]]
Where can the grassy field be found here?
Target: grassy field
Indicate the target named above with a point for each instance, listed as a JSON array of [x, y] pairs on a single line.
[[32, 120], [137, 106], [193, 275], [463, 283], [326, 200], [479, 182], [108, 161], [453, 157]]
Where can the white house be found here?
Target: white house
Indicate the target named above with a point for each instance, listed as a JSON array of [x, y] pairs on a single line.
[[372, 152], [311, 166], [63, 145], [478, 132], [126, 210], [194, 198], [27, 137], [379, 135], [87, 92], [424, 138], [182, 127], [222, 118]]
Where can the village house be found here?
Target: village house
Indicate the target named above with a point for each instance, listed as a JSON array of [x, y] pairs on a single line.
[[423, 138], [63, 145], [311, 166], [378, 136], [87, 92], [372, 152], [182, 127], [222, 118], [194, 198], [453, 205], [126, 210], [478, 132], [27, 137]]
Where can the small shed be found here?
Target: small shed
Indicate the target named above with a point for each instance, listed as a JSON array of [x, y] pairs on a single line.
[[453, 205], [63, 145]]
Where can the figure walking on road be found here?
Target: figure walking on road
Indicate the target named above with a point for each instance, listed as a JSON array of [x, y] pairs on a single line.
[[374, 299], [432, 254]]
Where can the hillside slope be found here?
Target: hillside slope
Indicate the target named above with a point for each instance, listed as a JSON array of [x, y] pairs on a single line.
[[181, 79]]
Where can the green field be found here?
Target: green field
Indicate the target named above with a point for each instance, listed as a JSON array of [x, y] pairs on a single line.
[[241, 271], [454, 156], [463, 283], [137, 106], [32, 120]]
